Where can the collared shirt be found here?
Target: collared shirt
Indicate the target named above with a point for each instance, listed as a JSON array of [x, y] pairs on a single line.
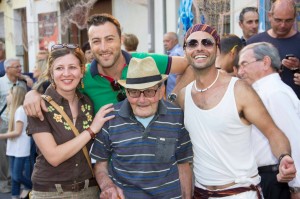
[[143, 161], [5, 86], [76, 168], [284, 108], [177, 50], [99, 89]]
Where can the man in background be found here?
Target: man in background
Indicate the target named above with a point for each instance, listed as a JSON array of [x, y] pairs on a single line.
[[172, 48], [2, 58], [285, 38], [248, 22], [130, 42]]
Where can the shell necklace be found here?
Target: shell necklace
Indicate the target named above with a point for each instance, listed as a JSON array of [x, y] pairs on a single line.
[[203, 90]]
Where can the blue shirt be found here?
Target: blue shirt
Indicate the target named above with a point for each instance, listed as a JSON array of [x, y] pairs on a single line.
[[143, 161], [2, 70]]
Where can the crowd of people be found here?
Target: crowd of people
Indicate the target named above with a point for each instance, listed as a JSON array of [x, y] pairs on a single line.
[[225, 127]]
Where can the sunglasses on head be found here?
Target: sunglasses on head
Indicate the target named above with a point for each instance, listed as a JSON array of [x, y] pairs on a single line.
[[60, 46], [193, 43]]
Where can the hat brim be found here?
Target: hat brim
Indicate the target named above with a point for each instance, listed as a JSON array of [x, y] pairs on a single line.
[[142, 85]]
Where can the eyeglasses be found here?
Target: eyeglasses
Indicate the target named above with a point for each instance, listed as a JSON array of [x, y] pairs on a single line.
[[137, 93], [244, 64], [116, 87], [193, 43], [15, 67], [59, 46]]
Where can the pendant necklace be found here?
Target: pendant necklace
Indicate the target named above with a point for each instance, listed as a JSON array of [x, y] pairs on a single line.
[[203, 90]]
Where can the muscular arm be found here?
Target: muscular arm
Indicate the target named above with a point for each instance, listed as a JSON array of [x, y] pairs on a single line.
[[108, 189], [185, 176], [179, 65], [184, 79]]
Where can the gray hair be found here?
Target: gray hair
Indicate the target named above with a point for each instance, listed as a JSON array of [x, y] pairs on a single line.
[[8, 62], [262, 49]]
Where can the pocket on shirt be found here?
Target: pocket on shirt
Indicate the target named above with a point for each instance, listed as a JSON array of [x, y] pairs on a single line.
[[165, 149]]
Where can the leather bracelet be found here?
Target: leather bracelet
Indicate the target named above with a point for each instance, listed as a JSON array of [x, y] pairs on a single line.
[[294, 189], [91, 132], [280, 158]]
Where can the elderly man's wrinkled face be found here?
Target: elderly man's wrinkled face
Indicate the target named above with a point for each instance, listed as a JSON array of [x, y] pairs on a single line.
[[144, 103]]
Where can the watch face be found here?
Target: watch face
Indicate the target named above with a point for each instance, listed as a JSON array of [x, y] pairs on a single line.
[[172, 97]]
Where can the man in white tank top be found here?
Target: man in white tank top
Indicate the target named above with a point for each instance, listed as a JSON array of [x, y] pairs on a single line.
[[219, 110]]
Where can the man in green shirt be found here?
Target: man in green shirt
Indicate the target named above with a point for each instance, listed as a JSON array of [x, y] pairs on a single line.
[[110, 65]]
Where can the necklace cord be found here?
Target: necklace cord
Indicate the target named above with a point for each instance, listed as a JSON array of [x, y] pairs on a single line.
[[205, 89]]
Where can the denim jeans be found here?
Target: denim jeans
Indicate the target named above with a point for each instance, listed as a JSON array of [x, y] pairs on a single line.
[[20, 168]]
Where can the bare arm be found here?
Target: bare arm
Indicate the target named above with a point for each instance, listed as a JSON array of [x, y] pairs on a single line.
[[108, 189], [184, 79], [33, 104], [12, 134], [250, 105], [179, 65], [185, 176], [297, 78], [180, 98], [56, 154]]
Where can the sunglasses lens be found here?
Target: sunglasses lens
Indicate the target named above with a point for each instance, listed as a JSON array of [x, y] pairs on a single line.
[[207, 42], [192, 43], [57, 46], [115, 86], [121, 96], [71, 46]]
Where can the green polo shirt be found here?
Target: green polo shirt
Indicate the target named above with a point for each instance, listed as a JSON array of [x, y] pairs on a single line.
[[99, 88]]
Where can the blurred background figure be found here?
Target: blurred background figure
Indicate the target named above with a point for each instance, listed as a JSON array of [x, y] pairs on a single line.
[[18, 143], [248, 22], [42, 54], [172, 48], [130, 42], [86, 48], [2, 58], [42, 82], [227, 60]]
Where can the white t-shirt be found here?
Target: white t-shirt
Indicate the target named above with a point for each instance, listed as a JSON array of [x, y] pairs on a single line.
[[19, 146]]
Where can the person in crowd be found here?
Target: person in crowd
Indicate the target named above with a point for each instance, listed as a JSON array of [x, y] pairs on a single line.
[[285, 38], [227, 60], [156, 165], [173, 48], [219, 110], [42, 55], [109, 65], [2, 58], [248, 21], [61, 169], [130, 42], [42, 82], [13, 70], [259, 64], [86, 48], [18, 143]]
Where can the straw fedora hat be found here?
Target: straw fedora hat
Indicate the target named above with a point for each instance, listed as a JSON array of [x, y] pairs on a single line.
[[142, 74]]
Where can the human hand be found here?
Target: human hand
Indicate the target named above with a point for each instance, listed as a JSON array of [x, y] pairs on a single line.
[[112, 192], [287, 169], [292, 63], [100, 118], [33, 105], [297, 78]]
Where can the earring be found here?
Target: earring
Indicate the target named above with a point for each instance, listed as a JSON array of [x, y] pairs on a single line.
[[81, 84]]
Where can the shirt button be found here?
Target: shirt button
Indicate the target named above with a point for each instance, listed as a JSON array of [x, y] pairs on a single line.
[[76, 165]]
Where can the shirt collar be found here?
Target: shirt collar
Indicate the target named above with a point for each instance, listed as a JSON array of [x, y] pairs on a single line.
[[271, 78], [94, 68], [57, 97]]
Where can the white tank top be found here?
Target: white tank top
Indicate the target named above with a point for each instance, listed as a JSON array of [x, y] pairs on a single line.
[[221, 142]]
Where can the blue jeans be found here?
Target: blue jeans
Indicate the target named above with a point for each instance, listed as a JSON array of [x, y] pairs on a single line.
[[20, 174]]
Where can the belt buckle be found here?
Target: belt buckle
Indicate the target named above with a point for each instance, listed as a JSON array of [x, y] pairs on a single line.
[[294, 189], [76, 186]]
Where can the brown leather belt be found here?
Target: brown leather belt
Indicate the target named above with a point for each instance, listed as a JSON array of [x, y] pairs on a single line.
[[70, 187]]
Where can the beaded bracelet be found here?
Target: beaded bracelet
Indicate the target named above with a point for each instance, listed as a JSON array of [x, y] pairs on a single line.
[[91, 132]]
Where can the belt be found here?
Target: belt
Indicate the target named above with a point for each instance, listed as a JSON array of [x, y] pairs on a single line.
[[268, 169], [70, 187], [205, 194]]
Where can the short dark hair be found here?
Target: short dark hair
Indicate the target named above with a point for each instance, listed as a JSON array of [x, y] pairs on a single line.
[[100, 19], [245, 10], [86, 46], [230, 42]]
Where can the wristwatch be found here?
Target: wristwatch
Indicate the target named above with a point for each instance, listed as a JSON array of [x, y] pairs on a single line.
[[172, 97], [294, 189]]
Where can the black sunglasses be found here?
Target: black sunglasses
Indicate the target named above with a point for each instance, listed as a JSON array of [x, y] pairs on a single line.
[[116, 87], [193, 43], [59, 46]]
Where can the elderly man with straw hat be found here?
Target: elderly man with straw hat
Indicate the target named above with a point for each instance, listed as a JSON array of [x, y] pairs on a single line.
[[145, 151]]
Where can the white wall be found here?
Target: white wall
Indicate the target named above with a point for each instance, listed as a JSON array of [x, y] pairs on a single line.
[[133, 17]]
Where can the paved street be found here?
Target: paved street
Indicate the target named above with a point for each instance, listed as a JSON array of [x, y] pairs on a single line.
[[5, 196]]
